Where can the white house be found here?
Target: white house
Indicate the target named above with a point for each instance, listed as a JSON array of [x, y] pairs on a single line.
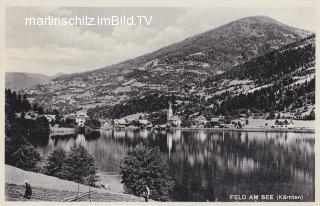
[[200, 120], [50, 117], [143, 121], [120, 123], [81, 118]]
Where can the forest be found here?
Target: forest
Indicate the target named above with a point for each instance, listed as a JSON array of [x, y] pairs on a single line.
[[269, 67], [150, 102], [271, 99], [22, 135]]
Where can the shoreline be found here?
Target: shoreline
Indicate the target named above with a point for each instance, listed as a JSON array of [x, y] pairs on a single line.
[[293, 130], [248, 129], [56, 131], [67, 131]]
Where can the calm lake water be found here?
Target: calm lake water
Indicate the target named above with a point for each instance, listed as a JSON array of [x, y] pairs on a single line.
[[212, 165]]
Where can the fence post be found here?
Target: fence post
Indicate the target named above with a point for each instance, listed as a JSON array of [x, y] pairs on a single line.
[[78, 190]]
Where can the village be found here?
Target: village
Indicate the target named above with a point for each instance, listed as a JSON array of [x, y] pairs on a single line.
[[78, 120]]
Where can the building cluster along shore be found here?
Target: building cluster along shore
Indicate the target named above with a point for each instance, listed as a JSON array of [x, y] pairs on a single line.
[[173, 121]]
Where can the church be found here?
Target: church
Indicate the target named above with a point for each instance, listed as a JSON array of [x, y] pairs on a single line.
[[173, 120]]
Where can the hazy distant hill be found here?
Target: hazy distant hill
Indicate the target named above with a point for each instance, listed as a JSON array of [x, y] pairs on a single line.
[[58, 75], [18, 81]]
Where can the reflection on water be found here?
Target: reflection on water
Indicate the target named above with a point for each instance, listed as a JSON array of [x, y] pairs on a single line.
[[211, 165]]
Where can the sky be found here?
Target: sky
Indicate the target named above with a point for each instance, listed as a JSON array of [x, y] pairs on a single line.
[[69, 49]]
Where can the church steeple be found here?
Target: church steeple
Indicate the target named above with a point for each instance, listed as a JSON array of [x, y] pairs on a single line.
[[170, 112]]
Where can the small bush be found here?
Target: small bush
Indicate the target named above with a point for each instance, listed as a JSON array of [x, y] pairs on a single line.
[[26, 157], [93, 124], [40, 167]]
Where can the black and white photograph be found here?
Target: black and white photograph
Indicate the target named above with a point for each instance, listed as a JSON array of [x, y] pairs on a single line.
[[159, 104]]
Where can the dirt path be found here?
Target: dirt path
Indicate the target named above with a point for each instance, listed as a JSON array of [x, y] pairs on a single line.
[[15, 192]]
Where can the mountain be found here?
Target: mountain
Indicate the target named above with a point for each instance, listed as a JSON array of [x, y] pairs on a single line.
[[244, 60], [222, 47], [19, 81]]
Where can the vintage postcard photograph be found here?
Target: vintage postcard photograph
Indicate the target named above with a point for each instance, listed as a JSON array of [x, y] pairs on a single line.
[[159, 104]]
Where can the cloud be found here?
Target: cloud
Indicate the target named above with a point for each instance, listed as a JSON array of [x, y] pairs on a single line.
[[139, 35], [54, 49]]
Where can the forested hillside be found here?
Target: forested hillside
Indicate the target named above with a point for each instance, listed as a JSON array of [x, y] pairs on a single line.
[[284, 80]]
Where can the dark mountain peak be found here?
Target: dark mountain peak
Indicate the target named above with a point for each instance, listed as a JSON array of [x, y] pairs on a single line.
[[259, 19], [259, 24]]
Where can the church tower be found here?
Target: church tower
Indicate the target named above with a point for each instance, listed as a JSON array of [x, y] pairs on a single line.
[[170, 112]]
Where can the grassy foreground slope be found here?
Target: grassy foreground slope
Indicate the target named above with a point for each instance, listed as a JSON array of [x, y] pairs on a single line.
[[48, 188]]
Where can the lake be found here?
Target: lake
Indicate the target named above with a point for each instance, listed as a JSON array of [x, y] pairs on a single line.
[[212, 165]]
